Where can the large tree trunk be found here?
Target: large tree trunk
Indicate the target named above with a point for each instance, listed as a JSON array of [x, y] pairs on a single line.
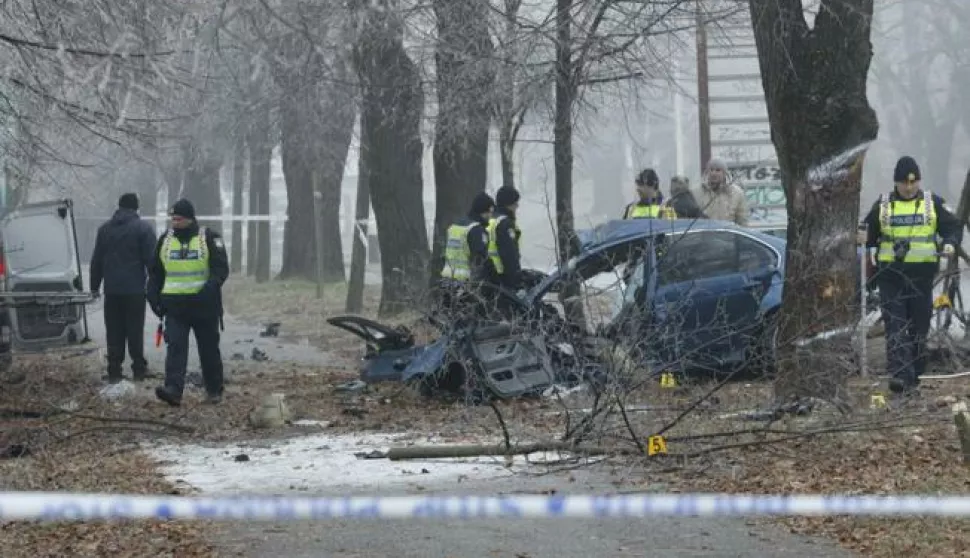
[[316, 129], [260, 166], [391, 113], [464, 77], [562, 149], [821, 125], [238, 180]]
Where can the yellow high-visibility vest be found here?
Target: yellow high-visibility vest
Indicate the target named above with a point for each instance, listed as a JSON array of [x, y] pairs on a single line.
[[493, 242], [186, 264], [908, 220], [653, 211], [458, 255]]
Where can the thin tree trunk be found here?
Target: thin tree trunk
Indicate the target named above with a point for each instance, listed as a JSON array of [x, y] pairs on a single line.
[[358, 261], [238, 178], [562, 148], [260, 166]]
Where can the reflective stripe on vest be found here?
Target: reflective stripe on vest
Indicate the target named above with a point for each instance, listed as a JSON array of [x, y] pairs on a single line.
[[637, 211], [186, 265], [457, 253], [908, 220], [493, 242]]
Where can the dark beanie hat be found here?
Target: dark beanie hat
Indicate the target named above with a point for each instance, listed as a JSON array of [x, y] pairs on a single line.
[[506, 196], [184, 208], [648, 177], [906, 170], [482, 203], [128, 201]]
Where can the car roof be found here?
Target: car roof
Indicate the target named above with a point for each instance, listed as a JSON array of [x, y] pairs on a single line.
[[619, 231]]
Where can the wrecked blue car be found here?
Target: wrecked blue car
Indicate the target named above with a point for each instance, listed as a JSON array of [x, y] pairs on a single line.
[[680, 296]]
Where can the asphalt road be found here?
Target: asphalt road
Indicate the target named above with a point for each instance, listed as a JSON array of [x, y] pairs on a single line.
[[561, 538]]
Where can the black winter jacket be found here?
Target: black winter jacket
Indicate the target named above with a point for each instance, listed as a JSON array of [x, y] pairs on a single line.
[[122, 253]]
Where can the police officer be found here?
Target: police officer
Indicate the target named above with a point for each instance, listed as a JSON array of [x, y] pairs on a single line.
[[466, 251], [504, 240], [185, 282], [650, 202], [902, 234]]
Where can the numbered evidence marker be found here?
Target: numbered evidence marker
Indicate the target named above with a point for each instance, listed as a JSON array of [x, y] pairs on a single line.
[[656, 445], [878, 401], [667, 380], [942, 301]]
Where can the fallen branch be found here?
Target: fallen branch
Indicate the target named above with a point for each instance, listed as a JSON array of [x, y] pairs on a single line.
[[112, 428], [478, 450], [128, 420]]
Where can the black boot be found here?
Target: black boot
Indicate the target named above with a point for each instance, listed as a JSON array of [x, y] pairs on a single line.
[[168, 395]]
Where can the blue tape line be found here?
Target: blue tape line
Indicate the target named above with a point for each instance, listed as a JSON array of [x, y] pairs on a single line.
[[74, 507]]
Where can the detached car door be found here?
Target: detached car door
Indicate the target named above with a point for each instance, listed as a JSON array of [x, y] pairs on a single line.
[[42, 286], [709, 293]]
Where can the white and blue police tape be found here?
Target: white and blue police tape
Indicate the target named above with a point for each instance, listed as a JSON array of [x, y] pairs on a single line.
[[54, 506]]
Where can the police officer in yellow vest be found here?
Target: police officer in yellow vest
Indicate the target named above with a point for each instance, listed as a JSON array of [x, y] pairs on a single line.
[[466, 251], [505, 238], [903, 231], [184, 289], [650, 202]]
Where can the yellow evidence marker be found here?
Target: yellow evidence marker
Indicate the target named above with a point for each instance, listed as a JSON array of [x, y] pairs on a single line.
[[878, 401], [656, 444], [942, 301], [667, 380]]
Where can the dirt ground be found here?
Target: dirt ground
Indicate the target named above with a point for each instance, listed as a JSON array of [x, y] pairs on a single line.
[[711, 447], [910, 450]]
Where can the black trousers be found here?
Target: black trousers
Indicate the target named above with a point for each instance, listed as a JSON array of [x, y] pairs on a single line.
[[124, 324], [907, 307], [206, 330]]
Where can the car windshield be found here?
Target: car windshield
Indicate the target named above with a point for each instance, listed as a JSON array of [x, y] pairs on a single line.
[[605, 280]]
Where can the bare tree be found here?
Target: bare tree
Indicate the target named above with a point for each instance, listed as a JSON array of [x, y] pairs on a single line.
[[821, 124], [392, 108], [918, 82], [465, 75]]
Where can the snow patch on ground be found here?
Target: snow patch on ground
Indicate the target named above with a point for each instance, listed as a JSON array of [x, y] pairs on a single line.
[[319, 464]]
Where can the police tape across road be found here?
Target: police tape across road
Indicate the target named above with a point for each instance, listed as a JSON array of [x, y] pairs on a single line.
[[39, 506]]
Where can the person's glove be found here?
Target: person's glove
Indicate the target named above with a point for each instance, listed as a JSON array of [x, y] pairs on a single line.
[[949, 250], [157, 309]]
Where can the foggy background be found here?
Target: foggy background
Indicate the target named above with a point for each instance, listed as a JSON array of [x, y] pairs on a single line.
[[917, 84]]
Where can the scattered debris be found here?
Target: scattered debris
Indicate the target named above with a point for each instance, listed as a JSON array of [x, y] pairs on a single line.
[[306, 422], [557, 390], [14, 451], [374, 454], [238, 356], [272, 412], [242, 457], [259, 355], [119, 390], [271, 329], [353, 386]]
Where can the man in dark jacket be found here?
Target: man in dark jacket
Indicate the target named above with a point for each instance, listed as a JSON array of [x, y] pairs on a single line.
[[185, 289], [504, 239], [682, 201], [122, 253]]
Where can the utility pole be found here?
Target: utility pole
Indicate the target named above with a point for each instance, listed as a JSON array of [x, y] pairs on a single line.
[[703, 98]]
